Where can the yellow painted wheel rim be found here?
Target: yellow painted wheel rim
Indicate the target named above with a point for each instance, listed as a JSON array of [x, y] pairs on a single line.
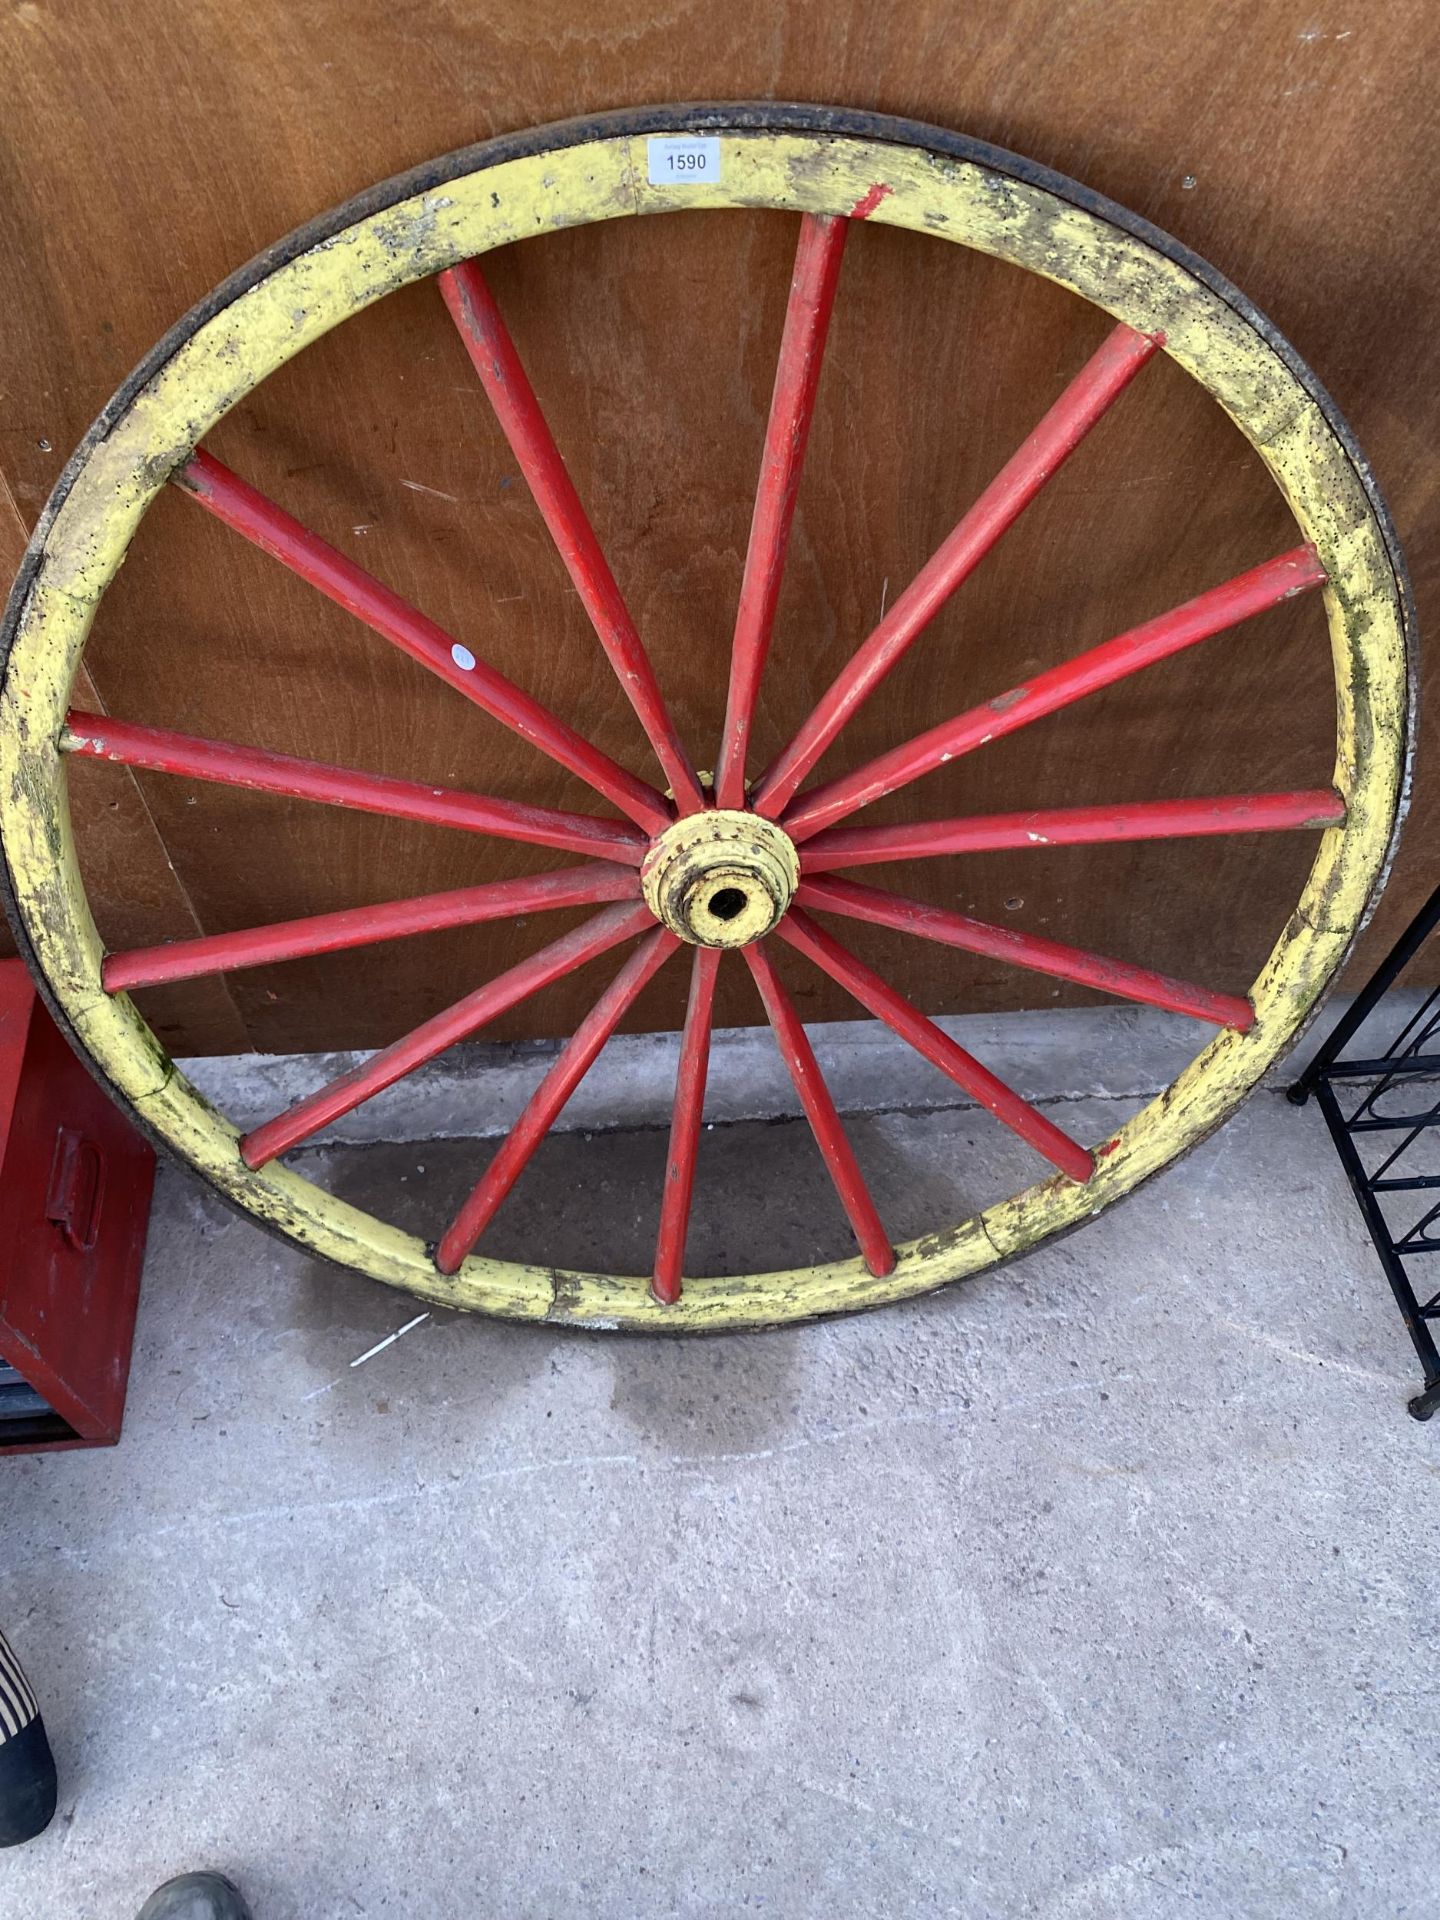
[[804, 161]]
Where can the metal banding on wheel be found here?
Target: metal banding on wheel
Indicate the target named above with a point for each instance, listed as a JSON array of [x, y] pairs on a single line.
[[716, 874]]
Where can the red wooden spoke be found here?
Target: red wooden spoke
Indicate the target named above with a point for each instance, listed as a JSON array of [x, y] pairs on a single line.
[[936, 1045], [607, 929], [685, 1124], [362, 926], [1223, 606], [830, 1136], [572, 1064], [1074, 826], [93, 737], [273, 530], [792, 406], [1096, 387], [492, 351], [1028, 950]]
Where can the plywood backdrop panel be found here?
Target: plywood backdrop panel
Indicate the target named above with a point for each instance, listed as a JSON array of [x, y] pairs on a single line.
[[147, 151]]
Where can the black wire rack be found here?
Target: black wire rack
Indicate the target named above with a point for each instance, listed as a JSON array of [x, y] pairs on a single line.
[[1383, 1112]]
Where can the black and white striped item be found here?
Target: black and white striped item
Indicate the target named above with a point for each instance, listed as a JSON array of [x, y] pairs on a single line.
[[27, 1767], [17, 1703]]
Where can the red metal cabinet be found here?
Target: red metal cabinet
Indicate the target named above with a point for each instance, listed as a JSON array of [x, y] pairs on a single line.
[[75, 1185]]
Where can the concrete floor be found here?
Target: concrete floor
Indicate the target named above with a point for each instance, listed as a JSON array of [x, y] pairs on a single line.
[[1106, 1585]]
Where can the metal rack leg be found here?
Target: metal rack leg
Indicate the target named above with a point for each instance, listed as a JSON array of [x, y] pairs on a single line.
[[1428, 1399], [1363, 1005]]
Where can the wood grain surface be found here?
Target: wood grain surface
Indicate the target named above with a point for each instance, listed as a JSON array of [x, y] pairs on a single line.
[[147, 151]]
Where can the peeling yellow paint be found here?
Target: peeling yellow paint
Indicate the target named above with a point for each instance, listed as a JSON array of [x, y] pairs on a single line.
[[706, 856], [901, 186]]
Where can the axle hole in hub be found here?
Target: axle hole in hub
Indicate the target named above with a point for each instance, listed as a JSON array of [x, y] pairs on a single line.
[[726, 902]]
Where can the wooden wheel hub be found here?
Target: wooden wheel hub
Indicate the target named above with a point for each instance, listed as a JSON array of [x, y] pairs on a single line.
[[722, 878]]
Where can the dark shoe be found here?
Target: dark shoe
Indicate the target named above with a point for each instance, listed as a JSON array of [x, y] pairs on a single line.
[[27, 1766], [197, 1896]]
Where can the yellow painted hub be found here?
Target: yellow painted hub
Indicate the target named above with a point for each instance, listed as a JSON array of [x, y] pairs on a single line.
[[722, 878]]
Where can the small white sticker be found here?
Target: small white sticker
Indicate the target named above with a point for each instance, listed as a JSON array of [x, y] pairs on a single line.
[[677, 160], [463, 657]]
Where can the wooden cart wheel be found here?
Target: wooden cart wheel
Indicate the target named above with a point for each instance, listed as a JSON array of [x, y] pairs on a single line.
[[691, 865]]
